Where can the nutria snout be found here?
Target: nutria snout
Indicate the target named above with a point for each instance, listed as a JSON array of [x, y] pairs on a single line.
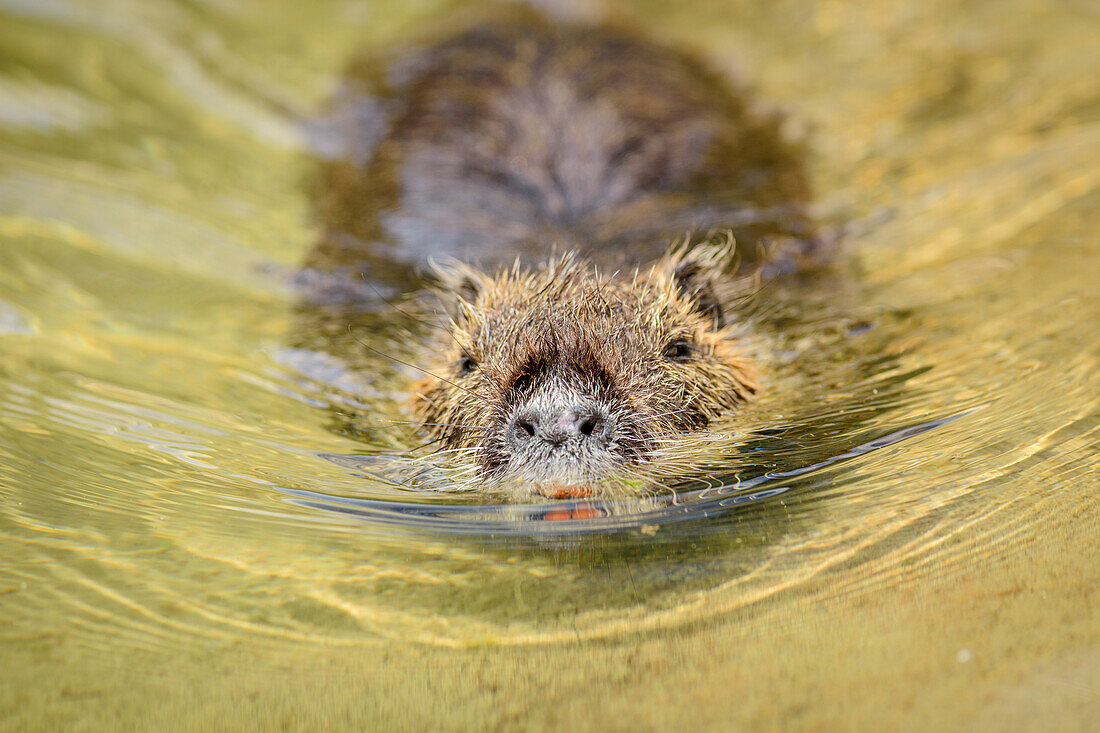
[[561, 425], [560, 436]]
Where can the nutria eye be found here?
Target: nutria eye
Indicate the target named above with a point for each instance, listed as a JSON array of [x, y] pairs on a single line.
[[466, 364], [679, 350]]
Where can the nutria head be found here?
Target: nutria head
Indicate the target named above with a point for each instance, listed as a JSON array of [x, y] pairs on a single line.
[[560, 376]]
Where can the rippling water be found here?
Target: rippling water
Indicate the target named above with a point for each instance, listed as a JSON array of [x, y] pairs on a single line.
[[204, 523]]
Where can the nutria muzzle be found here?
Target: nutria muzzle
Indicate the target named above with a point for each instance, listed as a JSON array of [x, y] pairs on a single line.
[[559, 426], [562, 411], [561, 437]]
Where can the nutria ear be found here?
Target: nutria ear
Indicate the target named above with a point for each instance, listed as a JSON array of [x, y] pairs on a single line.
[[692, 281], [458, 279], [695, 270]]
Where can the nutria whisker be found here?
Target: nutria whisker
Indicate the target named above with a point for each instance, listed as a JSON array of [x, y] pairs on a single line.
[[389, 303], [435, 424], [418, 368], [447, 452], [424, 445], [659, 416]]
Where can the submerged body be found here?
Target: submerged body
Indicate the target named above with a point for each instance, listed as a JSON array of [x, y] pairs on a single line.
[[559, 164]]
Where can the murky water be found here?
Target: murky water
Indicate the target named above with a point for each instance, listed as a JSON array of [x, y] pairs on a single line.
[[199, 525]]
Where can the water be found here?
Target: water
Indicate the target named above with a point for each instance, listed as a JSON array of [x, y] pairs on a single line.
[[191, 526]]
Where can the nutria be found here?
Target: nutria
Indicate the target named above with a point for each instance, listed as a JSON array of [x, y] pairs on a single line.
[[559, 163]]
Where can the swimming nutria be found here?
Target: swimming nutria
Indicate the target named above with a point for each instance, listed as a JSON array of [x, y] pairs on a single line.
[[521, 138]]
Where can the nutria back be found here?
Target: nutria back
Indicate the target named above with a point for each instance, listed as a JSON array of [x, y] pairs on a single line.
[[520, 137]]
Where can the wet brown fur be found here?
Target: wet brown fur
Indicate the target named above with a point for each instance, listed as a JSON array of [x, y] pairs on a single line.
[[606, 335]]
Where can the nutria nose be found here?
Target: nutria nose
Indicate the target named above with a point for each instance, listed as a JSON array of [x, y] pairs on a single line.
[[556, 425]]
